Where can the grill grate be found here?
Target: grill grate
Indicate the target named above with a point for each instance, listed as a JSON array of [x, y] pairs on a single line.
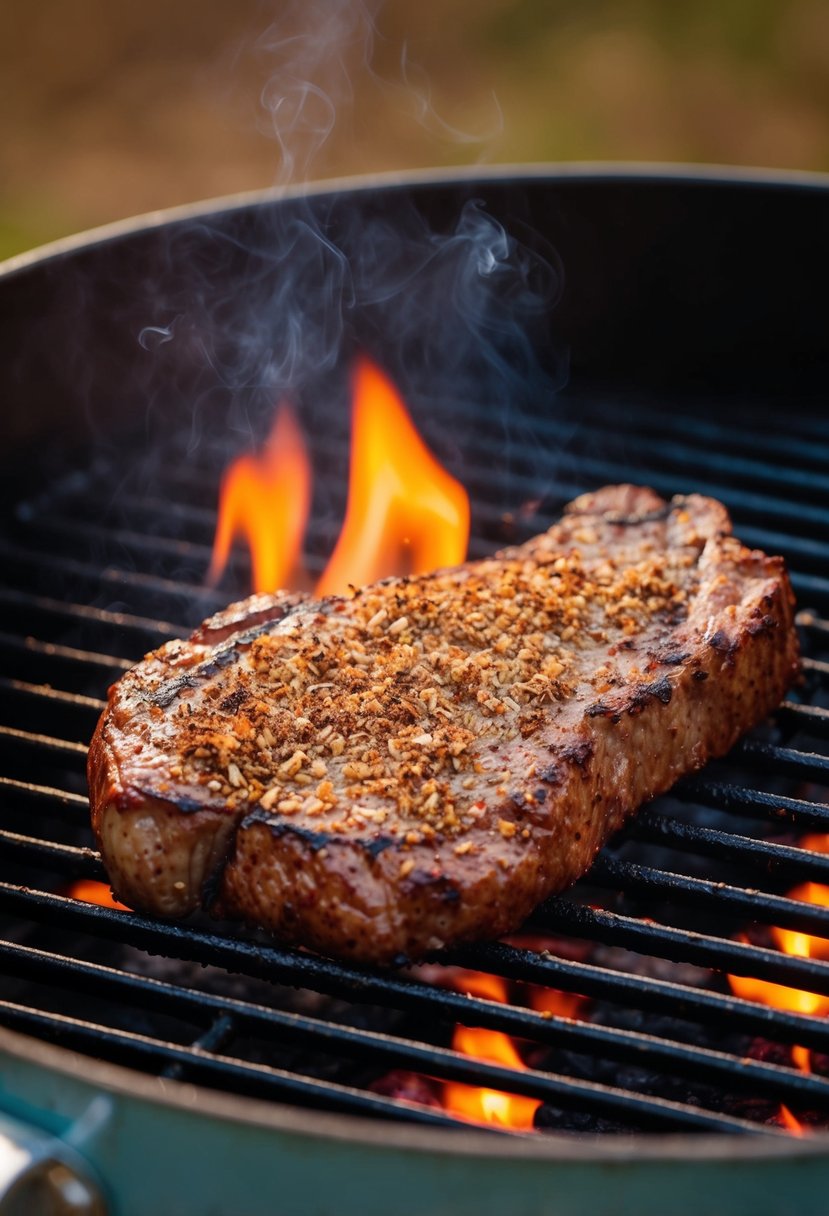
[[647, 938]]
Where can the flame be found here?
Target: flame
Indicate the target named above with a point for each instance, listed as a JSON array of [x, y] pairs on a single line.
[[817, 842], [95, 893], [798, 945], [266, 500], [493, 1047], [405, 514], [789, 1121], [552, 1001]]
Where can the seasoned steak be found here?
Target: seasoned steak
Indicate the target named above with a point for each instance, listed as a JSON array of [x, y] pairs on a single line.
[[421, 762]]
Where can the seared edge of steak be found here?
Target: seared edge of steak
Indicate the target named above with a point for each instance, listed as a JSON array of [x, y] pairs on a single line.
[[162, 849]]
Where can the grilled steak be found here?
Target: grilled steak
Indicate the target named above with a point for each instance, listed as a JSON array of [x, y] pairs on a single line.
[[422, 762]]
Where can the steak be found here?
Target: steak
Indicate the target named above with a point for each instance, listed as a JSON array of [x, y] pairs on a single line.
[[421, 762]]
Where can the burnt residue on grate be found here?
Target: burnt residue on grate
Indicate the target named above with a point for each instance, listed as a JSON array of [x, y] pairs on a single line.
[[112, 562]]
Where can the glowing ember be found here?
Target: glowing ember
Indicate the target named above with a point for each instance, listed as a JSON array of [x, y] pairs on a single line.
[[95, 893], [493, 1047], [265, 500], [405, 514]]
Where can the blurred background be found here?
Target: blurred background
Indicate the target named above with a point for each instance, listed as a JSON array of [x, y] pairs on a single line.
[[118, 107]]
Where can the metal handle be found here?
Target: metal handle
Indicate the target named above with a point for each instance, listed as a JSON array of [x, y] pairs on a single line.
[[42, 1176]]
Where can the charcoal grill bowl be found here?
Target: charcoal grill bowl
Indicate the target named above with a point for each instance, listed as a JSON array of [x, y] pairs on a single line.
[[164, 1146], [746, 317]]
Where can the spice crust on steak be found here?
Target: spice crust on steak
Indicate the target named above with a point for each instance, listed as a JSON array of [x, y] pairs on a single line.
[[422, 762]]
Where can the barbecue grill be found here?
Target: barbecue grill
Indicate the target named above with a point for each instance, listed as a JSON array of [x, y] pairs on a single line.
[[188, 1068]]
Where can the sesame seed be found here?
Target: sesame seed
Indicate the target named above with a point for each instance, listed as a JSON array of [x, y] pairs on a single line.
[[291, 767], [234, 776]]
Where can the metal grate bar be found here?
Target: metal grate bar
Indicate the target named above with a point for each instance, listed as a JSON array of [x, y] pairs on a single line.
[[60, 858], [779, 859], [814, 626], [815, 671], [71, 752], [46, 797], [42, 608], [797, 812], [811, 719], [72, 670], [563, 916], [393, 1051], [767, 443], [218, 1034], [399, 991], [216, 1070], [37, 706], [74, 701], [714, 897], [682, 945], [643, 992], [805, 766], [168, 556], [809, 588], [799, 551], [746, 503], [582, 471], [180, 599]]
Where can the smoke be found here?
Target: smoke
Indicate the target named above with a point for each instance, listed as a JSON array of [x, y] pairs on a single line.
[[452, 299], [310, 56], [315, 58]]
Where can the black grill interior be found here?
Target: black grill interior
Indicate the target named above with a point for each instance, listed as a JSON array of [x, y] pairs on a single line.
[[110, 560]]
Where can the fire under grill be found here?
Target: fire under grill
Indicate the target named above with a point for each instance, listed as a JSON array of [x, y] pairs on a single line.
[[110, 561]]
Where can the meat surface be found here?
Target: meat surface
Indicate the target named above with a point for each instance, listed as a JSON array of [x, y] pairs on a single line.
[[422, 762]]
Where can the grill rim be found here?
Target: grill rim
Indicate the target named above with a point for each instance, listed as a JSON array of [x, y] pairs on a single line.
[[366, 1133], [645, 172]]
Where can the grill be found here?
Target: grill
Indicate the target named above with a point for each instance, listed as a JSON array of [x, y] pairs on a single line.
[[104, 556]]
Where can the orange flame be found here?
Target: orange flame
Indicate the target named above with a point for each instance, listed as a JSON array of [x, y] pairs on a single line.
[[266, 499], [405, 514], [552, 1001], [488, 1105], [789, 1121], [95, 893], [798, 945]]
